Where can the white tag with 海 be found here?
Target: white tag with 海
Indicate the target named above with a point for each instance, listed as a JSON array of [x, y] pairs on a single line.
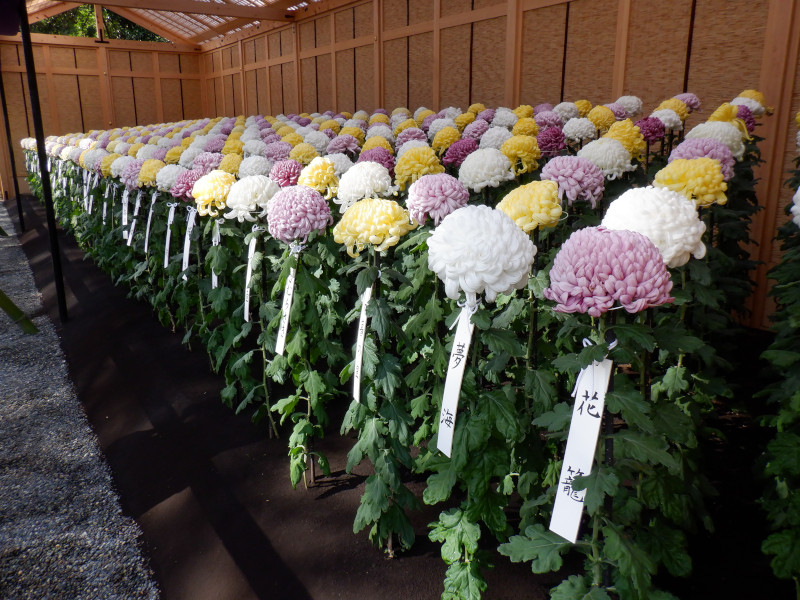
[[136, 207], [455, 375], [251, 251], [170, 220], [360, 337], [215, 239], [187, 240], [584, 430], [149, 220], [286, 309]]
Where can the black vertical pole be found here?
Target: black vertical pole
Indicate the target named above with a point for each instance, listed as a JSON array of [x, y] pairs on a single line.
[[11, 154], [47, 191]]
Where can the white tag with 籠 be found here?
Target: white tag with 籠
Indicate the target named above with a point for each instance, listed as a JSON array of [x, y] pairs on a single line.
[[187, 240], [215, 239], [251, 251], [360, 337], [136, 208], [584, 430], [149, 220], [286, 309], [170, 219], [125, 213], [452, 383]]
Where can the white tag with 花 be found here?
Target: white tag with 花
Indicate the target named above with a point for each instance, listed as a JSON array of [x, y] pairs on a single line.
[[360, 337], [149, 220], [584, 430], [136, 208], [215, 239], [251, 252], [455, 375], [286, 309], [187, 240], [170, 220]]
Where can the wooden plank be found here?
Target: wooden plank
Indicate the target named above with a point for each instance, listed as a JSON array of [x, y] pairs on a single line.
[[274, 43], [309, 85], [51, 11], [395, 70], [91, 102], [65, 88], [192, 99], [591, 42], [218, 9], [364, 76], [171, 100], [488, 64], [289, 89], [62, 57], [395, 14], [144, 90], [275, 90], [513, 52], [322, 27], [251, 85], [107, 104], [168, 63], [308, 35], [124, 105], [9, 55], [189, 63], [421, 11], [157, 99], [345, 26], [219, 95], [621, 48], [455, 65], [363, 20], [345, 80], [456, 7], [420, 55], [47, 92], [324, 84]]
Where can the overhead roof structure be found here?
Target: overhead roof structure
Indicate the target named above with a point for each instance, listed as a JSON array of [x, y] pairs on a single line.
[[185, 22]]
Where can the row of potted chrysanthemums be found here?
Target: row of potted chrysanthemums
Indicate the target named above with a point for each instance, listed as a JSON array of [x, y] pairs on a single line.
[[540, 222]]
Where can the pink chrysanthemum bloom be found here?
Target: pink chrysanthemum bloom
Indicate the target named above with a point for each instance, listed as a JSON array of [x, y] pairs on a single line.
[[130, 175], [184, 184], [746, 115], [343, 144], [487, 114], [268, 136], [706, 148], [380, 156], [551, 141], [548, 118], [458, 151], [577, 178], [206, 162], [285, 172], [435, 196], [533, 205], [727, 133], [215, 144], [652, 129], [277, 151], [597, 267], [699, 179], [544, 106], [297, 211], [620, 112], [691, 101], [412, 133]]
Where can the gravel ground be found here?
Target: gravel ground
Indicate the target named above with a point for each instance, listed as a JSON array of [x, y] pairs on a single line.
[[62, 533]]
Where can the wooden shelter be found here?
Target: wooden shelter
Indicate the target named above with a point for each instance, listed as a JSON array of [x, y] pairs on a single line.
[[231, 57]]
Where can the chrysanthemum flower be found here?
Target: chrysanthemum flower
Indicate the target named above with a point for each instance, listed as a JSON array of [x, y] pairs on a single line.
[[464, 119], [341, 163], [494, 137], [134, 148], [374, 221], [584, 106], [728, 113], [414, 164], [759, 98], [580, 129], [343, 144], [478, 250], [486, 167], [651, 128], [380, 156], [435, 196], [630, 136], [458, 151], [330, 124], [230, 163], [691, 101], [699, 179], [667, 218], [295, 212], [130, 175], [148, 173], [795, 208], [525, 126], [475, 130], [377, 142], [542, 107], [727, 133], [706, 148], [210, 191], [365, 179], [320, 175], [522, 152], [631, 104], [609, 155], [533, 205], [412, 133], [746, 116], [167, 176], [232, 146], [285, 172], [184, 184], [255, 165], [248, 195], [524, 111], [303, 153], [676, 105], [476, 108], [551, 141], [206, 161], [601, 117], [597, 267], [380, 130], [404, 125], [105, 164], [378, 118], [671, 120], [566, 110], [444, 138], [504, 117], [548, 118], [118, 165], [421, 114], [577, 179]]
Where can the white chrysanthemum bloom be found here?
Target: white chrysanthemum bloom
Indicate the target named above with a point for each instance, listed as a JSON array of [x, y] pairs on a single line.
[[567, 111], [85, 143], [494, 137], [353, 123], [93, 159], [398, 118], [199, 141], [249, 195], [254, 148], [479, 250], [188, 156], [254, 165], [341, 121], [631, 104], [451, 112], [166, 142], [341, 162], [504, 117], [382, 130], [795, 209], [119, 165], [579, 129], [251, 133], [146, 152], [669, 118], [361, 115], [167, 176], [318, 140], [755, 107], [154, 139], [250, 121], [419, 111], [727, 133], [608, 155], [304, 131], [667, 218], [363, 180], [486, 167], [438, 124], [408, 145]]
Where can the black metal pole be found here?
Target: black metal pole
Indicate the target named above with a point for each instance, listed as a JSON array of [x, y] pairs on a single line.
[[47, 191], [11, 154]]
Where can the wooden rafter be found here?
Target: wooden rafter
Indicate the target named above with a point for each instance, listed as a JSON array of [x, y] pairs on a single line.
[[260, 13], [180, 41], [220, 30], [51, 11]]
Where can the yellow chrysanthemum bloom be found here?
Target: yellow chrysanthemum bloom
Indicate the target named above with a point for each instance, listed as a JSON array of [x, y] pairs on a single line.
[[678, 106], [584, 106], [270, 119], [422, 115], [375, 221], [82, 159], [356, 132], [111, 145], [797, 119], [726, 113], [379, 118], [320, 119], [186, 142], [401, 109], [293, 138], [361, 115], [630, 136], [523, 111], [699, 179], [320, 175], [173, 155], [444, 138], [233, 146], [525, 126], [533, 205], [234, 135], [131, 139], [172, 134], [601, 117], [134, 149], [404, 125], [230, 163], [522, 152], [330, 124], [148, 172], [305, 115], [415, 163], [93, 145], [346, 115], [210, 192], [377, 141], [755, 95], [476, 108], [464, 119], [105, 164], [303, 153], [284, 130]]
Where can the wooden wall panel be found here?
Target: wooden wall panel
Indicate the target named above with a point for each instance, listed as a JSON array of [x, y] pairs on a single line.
[[192, 101], [308, 72], [223, 109], [171, 100], [211, 97], [190, 64], [169, 63], [274, 44], [260, 44], [141, 61], [420, 57], [420, 11], [542, 55], [91, 103], [323, 31], [69, 102], [62, 57], [395, 73], [362, 17], [289, 80], [344, 25], [275, 90], [17, 105], [454, 89], [590, 50], [364, 70], [144, 92], [229, 92], [395, 14], [324, 83], [251, 85], [119, 60], [308, 35], [124, 106], [456, 7], [488, 62], [10, 55], [345, 81]]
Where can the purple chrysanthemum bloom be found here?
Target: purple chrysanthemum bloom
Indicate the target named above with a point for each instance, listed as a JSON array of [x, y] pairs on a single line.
[[338, 116], [285, 172], [268, 136], [691, 101], [578, 179], [276, 151], [381, 111], [412, 133], [476, 129], [435, 196], [159, 154], [426, 122], [620, 112], [295, 212], [379, 155], [205, 162], [130, 174], [706, 148], [314, 126], [121, 148], [182, 190], [215, 144], [597, 267], [651, 128], [548, 118], [551, 141], [544, 106], [103, 143], [343, 144], [746, 115], [486, 114], [329, 133], [458, 151], [146, 138], [226, 129], [304, 121]]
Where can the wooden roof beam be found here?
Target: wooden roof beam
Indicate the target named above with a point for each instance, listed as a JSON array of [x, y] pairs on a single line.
[[219, 30], [180, 42], [51, 11], [255, 13]]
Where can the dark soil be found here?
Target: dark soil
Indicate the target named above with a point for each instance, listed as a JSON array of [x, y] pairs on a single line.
[[211, 491]]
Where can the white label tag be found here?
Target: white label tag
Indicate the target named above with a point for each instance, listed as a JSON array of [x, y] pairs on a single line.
[[187, 240], [105, 207], [149, 221], [251, 250], [286, 309], [215, 239], [136, 207], [584, 430], [125, 209], [170, 220], [362, 333], [452, 383], [108, 188]]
